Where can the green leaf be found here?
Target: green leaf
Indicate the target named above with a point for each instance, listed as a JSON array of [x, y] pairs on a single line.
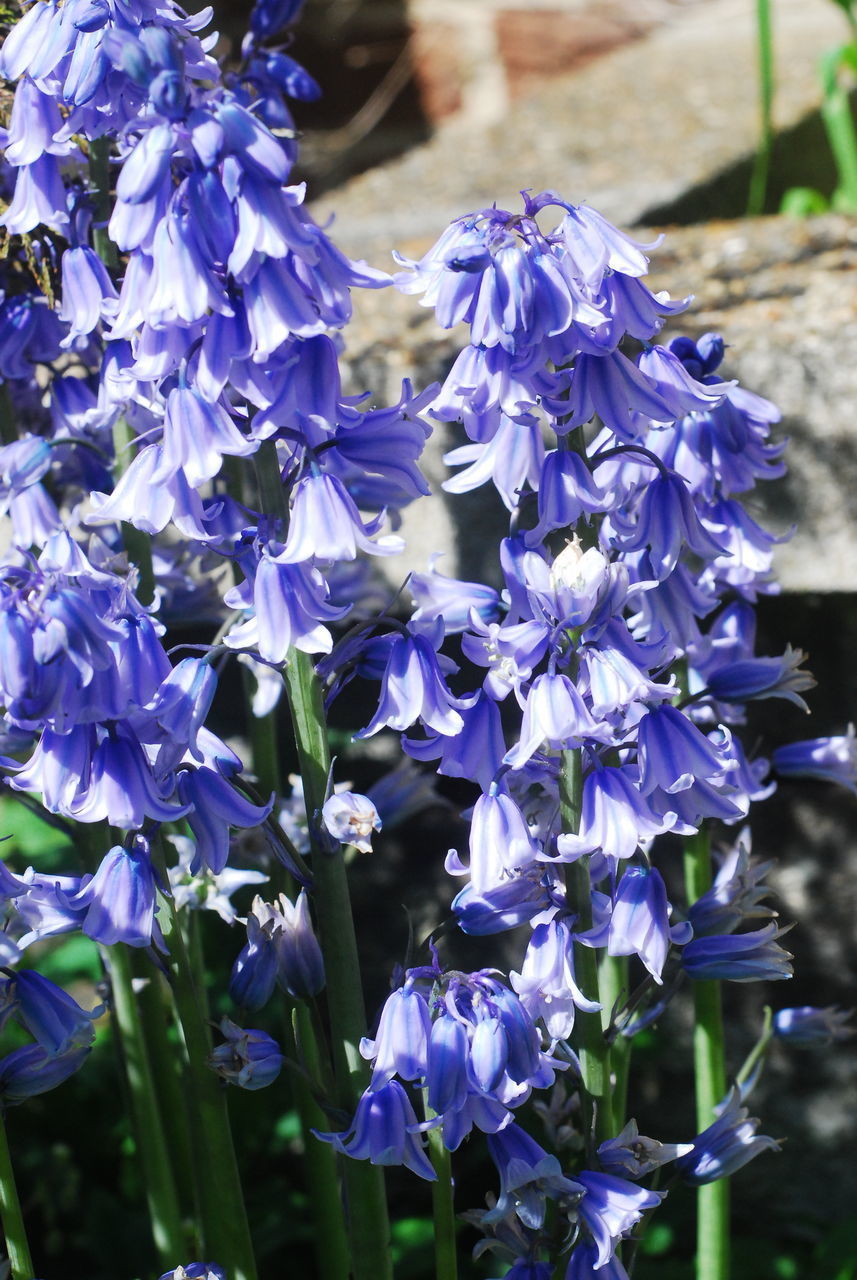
[[803, 202]]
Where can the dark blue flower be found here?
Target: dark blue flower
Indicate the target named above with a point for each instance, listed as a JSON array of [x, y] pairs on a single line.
[[725, 1146]]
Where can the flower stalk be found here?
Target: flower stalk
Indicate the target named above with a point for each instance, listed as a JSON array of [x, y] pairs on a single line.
[[712, 1198], [17, 1244]]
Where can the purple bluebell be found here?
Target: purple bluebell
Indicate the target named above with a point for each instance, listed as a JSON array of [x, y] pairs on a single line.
[[508, 904], [610, 1210], [213, 805], [249, 1058], [639, 921], [725, 1146], [51, 1016], [739, 957], [832, 759], [501, 843], [437, 596], [615, 817], [529, 1177], [31, 1070], [413, 686], [808, 1027], [584, 1264], [547, 986], [118, 902], [674, 754], [401, 1043], [511, 459], [384, 1131], [631, 1155], [351, 818], [736, 894], [254, 972], [475, 752], [300, 966], [554, 712], [326, 524], [195, 1271], [290, 606]]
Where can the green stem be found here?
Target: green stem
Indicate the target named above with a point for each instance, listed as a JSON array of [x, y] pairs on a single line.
[[443, 1201], [593, 1049], [138, 545], [329, 1236], [8, 427], [760, 1048], [762, 164], [99, 173], [224, 1227], [367, 1207], [613, 988], [149, 1131], [17, 1245], [712, 1256], [155, 1009]]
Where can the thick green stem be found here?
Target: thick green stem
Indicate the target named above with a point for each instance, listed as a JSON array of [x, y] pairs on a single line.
[[712, 1256], [330, 1240], [151, 1139], [366, 1201], [613, 988], [443, 1202], [302, 1039], [762, 164], [156, 1018], [17, 1245], [593, 1049], [224, 1228]]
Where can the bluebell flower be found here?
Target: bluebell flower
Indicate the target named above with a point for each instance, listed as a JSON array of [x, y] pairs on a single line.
[[401, 1043], [212, 806], [118, 902], [254, 973], [300, 966], [554, 712], [501, 843], [674, 754], [476, 751], [736, 894], [725, 1146], [547, 986], [808, 1027], [610, 1210], [384, 1131], [584, 1264], [249, 1058], [413, 687], [529, 1177], [51, 1016], [739, 957], [290, 607], [631, 1155], [504, 906], [351, 818], [832, 759], [195, 1271], [639, 921], [31, 1070], [615, 817]]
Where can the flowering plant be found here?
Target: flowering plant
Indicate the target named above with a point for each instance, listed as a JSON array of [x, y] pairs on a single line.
[[177, 444]]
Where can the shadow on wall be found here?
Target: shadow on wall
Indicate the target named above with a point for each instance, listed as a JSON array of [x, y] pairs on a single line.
[[361, 56]]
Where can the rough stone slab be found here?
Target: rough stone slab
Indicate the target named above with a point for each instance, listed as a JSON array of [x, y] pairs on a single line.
[[631, 132], [784, 294]]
